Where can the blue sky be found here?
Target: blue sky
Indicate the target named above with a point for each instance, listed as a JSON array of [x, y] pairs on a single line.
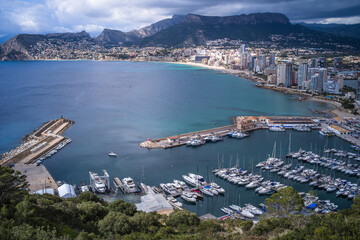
[[43, 16]]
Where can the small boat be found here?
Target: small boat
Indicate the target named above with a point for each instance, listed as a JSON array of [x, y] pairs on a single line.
[[112, 154], [226, 210]]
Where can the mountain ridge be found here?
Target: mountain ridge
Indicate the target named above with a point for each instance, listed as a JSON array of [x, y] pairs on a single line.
[[273, 29]]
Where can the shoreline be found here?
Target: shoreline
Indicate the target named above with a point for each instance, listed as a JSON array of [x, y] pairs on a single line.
[[336, 109]]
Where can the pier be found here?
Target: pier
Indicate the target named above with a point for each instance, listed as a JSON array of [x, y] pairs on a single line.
[[244, 124], [34, 147]]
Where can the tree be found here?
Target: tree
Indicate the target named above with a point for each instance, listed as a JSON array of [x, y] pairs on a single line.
[[12, 185], [123, 207], [88, 197], [116, 223], [283, 203], [183, 217], [146, 222], [91, 211]]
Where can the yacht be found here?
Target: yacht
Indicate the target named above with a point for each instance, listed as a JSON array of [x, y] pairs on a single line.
[[246, 213], [112, 154], [98, 183], [302, 129], [217, 187], [129, 185], [84, 188], [226, 210], [191, 181], [188, 196], [325, 132], [277, 129]]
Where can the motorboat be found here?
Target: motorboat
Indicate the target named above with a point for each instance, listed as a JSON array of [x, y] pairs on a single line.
[[188, 196], [129, 185], [112, 154]]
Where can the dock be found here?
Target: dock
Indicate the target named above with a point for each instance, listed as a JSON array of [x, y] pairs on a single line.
[[34, 147], [245, 124], [179, 140]]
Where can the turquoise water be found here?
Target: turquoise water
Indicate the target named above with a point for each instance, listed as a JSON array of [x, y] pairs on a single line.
[[117, 105]]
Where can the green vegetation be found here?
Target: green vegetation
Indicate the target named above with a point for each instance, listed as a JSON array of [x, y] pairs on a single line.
[[87, 217]]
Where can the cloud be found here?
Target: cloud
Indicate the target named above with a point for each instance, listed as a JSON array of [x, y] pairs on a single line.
[[39, 16]]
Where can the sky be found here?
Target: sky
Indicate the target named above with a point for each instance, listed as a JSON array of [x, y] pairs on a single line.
[[45, 16]]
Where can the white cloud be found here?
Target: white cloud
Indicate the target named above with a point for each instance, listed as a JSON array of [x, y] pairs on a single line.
[[40, 16], [348, 20]]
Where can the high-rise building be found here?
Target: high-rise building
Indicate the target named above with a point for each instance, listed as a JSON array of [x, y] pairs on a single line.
[[302, 73], [338, 64], [321, 62], [332, 86], [243, 48], [253, 62], [315, 83], [313, 62], [272, 60], [322, 76], [285, 74]]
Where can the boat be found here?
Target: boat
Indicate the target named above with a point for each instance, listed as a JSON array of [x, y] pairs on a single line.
[[174, 202], [191, 181], [325, 132], [227, 210], [188, 196], [277, 129], [99, 184], [302, 129], [217, 187], [246, 213], [129, 185], [112, 154], [84, 188]]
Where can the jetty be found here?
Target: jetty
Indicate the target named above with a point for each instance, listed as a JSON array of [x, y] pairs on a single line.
[[242, 124], [33, 148], [179, 140]]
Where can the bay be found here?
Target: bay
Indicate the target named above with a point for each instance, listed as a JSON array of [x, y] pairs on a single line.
[[117, 105]]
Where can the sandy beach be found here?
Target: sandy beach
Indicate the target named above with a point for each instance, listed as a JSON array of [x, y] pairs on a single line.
[[337, 109]]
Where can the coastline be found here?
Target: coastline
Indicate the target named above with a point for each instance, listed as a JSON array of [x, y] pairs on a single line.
[[336, 110]]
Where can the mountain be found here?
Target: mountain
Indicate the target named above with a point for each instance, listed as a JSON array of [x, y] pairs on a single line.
[[345, 30], [159, 26], [21, 46], [272, 28], [111, 37]]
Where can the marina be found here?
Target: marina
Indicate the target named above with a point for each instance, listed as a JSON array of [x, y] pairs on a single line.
[[102, 126]]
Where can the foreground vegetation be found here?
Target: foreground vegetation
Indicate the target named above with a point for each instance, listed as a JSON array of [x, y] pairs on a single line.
[[24, 216]]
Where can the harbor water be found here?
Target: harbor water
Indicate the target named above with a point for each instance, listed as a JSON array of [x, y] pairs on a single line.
[[117, 105]]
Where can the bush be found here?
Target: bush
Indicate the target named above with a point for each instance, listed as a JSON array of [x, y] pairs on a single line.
[[246, 225]]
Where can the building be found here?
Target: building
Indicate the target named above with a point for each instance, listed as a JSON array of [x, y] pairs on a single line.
[[244, 123], [285, 74], [243, 48], [338, 130], [338, 64], [321, 62], [332, 86], [272, 60], [315, 83], [290, 122], [313, 62], [302, 74]]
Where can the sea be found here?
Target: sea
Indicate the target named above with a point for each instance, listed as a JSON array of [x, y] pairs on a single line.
[[117, 105]]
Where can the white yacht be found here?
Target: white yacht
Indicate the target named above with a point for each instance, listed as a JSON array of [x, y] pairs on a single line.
[[188, 196], [112, 154], [99, 184], [277, 129], [129, 185]]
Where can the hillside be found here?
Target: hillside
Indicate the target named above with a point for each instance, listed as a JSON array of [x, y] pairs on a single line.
[[345, 30], [197, 30]]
